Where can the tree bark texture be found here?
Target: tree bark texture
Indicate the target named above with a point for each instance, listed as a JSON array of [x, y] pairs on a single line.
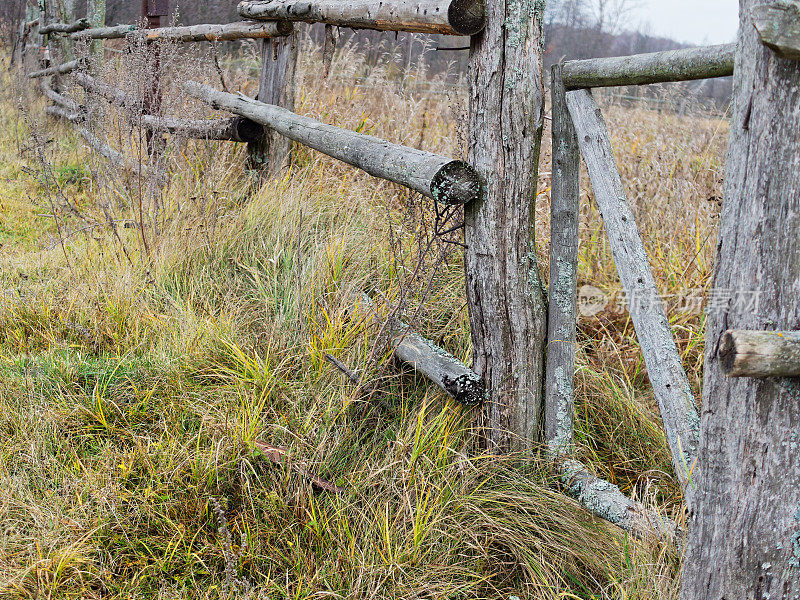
[[664, 368], [744, 538], [448, 17], [563, 288], [506, 302]]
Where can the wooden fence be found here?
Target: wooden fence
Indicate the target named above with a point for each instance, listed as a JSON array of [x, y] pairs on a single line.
[[578, 129]]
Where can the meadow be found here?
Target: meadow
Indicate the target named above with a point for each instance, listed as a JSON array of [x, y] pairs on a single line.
[[172, 428]]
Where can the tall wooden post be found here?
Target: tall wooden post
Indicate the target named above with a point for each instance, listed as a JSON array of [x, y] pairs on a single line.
[[96, 12], [276, 86], [744, 540], [562, 297], [504, 292]]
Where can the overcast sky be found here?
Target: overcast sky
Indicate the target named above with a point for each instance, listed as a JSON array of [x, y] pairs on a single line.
[[691, 21]]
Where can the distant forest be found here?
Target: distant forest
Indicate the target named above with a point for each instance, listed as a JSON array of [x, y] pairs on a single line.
[[573, 29]]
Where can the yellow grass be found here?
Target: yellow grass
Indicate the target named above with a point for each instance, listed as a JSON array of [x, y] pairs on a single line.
[[135, 378]]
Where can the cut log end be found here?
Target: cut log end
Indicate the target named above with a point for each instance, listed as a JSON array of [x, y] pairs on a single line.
[[465, 389], [760, 354], [456, 183], [467, 17], [247, 130]]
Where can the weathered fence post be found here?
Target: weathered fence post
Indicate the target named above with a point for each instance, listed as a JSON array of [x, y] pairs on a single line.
[[562, 296], [275, 86], [504, 292], [96, 12], [744, 539]]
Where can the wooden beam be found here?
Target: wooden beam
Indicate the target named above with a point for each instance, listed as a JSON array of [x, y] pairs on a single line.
[[562, 291], [671, 386], [449, 17], [657, 67], [61, 69], [778, 26], [760, 353], [78, 25], [445, 180]]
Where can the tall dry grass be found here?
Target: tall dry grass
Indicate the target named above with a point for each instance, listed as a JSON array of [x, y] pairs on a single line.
[[145, 347]]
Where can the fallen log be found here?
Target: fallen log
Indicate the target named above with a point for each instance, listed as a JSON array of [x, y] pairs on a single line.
[[676, 404], [78, 25], [657, 67], [112, 155], [778, 26], [605, 500], [760, 353], [235, 129], [440, 367], [443, 179], [62, 69], [449, 17]]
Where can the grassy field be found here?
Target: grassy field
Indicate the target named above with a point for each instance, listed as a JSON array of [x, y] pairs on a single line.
[[143, 368]]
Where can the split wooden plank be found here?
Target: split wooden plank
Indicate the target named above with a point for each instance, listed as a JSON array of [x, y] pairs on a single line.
[[192, 33], [678, 409], [657, 67], [562, 291], [443, 179], [448, 17], [778, 26], [760, 353], [62, 69]]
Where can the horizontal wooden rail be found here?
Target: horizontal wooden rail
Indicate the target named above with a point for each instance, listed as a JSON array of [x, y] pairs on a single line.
[[62, 113], [104, 33], [778, 26], [78, 25], [449, 17], [443, 179], [760, 353], [193, 33], [658, 67], [678, 409], [66, 103], [235, 129], [220, 33], [61, 69]]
